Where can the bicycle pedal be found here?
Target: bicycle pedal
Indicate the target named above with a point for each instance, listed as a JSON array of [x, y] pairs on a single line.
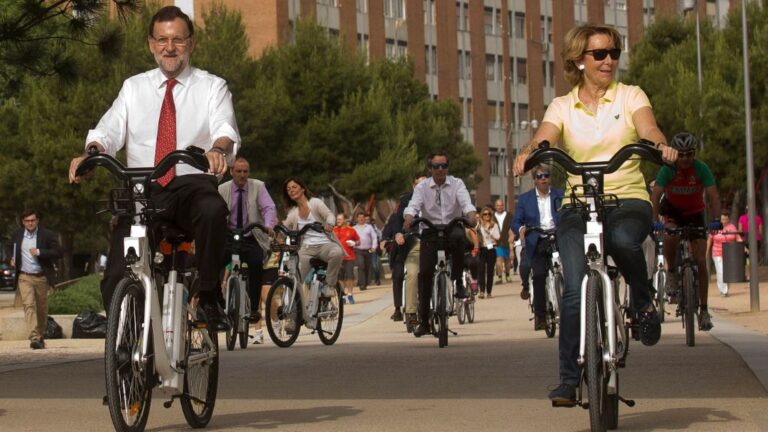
[[563, 404], [629, 402]]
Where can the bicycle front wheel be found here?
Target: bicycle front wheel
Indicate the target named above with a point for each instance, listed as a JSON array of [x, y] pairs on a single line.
[[283, 309], [129, 387], [689, 293], [601, 407], [233, 308], [330, 316], [442, 312], [660, 281], [201, 378], [460, 309]]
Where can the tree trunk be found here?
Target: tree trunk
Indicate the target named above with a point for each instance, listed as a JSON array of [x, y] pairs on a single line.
[[67, 246]]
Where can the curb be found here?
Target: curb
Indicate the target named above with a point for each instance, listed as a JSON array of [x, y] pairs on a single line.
[[752, 346]]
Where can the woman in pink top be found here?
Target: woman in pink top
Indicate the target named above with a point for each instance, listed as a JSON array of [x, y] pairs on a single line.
[[715, 244]]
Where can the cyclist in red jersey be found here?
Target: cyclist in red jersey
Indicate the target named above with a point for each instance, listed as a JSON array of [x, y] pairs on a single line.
[[684, 187]]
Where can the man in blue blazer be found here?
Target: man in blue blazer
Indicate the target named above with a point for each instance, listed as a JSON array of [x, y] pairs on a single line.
[[537, 208]]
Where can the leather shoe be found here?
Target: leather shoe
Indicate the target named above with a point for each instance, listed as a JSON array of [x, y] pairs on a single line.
[[37, 344], [397, 316], [525, 294], [563, 396], [214, 315], [421, 330], [540, 322]]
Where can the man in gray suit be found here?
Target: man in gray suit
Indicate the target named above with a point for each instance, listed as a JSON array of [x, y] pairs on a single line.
[[249, 201]]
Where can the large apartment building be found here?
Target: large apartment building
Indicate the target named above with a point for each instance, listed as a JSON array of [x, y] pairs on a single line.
[[499, 60]]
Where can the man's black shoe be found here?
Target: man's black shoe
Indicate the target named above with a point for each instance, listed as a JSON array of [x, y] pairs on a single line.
[[397, 316], [540, 322], [36, 344], [525, 294], [214, 315], [255, 316], [649, 326], [563, 396], [421, 330], [410, 322]]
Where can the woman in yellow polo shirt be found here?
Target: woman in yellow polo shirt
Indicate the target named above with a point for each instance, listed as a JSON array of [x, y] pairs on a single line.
[[591, 123]]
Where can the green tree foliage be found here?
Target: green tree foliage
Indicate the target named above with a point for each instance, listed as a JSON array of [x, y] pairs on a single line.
[[316, 110], [664, 65], [35, 35]]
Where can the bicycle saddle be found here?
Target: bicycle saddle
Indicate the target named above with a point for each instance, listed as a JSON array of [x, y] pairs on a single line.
[[318, 263], [173, 234]]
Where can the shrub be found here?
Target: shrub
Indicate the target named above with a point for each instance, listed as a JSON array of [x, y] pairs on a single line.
[[82, 295]]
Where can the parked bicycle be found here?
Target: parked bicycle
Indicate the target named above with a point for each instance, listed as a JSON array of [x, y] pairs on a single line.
[[151, 344], [603, 339], [687, 290], [288, 306], [441, 304], [237, 301], [554, 282], [465, 308]]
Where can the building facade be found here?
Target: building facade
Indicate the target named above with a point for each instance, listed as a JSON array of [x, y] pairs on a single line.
[[499, 60]]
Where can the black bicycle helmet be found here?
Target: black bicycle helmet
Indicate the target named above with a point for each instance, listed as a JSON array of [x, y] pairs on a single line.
[[684, 142]]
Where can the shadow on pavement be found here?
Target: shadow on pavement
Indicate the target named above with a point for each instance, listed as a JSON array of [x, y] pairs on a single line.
[[673, 418]]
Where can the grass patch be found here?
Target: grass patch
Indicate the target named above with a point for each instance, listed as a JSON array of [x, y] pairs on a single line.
[[82, 295]]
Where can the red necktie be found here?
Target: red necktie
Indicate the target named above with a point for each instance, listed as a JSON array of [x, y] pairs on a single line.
[[166, 131]]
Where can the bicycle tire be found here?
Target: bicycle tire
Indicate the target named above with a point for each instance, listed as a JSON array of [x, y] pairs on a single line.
[[233, 308], [461, 313], [329, 329], [201, 377], [470, 312], [243, 335], [442, 313], [660, 280], [689, 293], [551, 327], [276, 300], [125, 380], [595, 369]]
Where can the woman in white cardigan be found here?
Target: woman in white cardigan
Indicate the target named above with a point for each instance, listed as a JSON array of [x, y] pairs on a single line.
[[304, 210]]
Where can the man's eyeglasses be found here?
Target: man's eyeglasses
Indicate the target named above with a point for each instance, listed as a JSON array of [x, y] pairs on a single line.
[[601, 54], [540, 176], [164, 41], [686, 154], [440, 166]]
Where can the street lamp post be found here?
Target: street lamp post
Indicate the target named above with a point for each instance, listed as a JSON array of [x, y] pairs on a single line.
[[530, 126], [693, 5]]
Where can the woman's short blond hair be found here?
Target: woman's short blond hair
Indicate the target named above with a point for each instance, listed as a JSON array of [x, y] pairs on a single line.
[[575, 44]]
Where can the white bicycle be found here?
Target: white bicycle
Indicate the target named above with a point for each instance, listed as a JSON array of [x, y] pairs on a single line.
[[148, 343]]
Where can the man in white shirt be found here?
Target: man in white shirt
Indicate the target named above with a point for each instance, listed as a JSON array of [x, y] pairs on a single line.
[[504, 220], [173, 107], [440, 199], [537, 208], [364, 251]]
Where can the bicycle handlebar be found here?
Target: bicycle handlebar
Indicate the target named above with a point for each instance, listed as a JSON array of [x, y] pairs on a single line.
[[249, 228], [440, 227], [644, 148], [191, 156], [315, 226]]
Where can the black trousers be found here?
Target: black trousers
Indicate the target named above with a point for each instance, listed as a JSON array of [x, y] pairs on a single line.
[[398, 277], [252, 254], [192, 203], [428, 259], [486, 264], [364, 261]]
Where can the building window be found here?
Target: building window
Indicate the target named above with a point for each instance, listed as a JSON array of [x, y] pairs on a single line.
[[429, 11], [332, 3], [430, 52], [362, 6], [519, 25], [462, 16], [495, 110], [466, 109], [493, 64], [394, 9], [621, 5], [492, 21], [546, 29], [396, 50], [465, 65], [521, 65], [522, 113], [548, 74], [363, 46]]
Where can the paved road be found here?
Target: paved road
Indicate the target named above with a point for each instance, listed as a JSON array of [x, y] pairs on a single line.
[[492, 377]]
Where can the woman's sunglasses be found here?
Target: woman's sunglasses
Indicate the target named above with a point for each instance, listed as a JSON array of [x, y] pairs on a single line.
[[601, 54]]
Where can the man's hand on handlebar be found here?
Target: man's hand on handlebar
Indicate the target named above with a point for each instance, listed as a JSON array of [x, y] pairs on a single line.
[[518, 168], [668, 154], [217, 162], [77, 160], [408, 220], [472, 218]]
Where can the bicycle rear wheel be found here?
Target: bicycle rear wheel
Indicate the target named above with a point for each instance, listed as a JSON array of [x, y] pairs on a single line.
[[461, 312], [470, 312], [128, 379], [283, 309], [233, 308], [330, 317], [550, 320], [601, 406], [689, 293], [441, 312], [201, 378], [660, 281]]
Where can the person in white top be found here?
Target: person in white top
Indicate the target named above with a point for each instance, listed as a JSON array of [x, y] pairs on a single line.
[[173, 107], [489, 233], [303, 209]]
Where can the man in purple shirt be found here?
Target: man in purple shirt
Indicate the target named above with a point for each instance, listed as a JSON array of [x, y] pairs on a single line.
[[364, 251], [249, 202]]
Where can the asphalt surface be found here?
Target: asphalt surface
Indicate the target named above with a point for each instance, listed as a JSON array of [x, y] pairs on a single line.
[[493, 376]]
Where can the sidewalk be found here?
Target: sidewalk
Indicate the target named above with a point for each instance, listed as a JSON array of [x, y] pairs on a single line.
[[736, 307]]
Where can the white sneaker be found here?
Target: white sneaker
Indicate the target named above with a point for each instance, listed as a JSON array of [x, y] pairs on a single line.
[[258, 336]]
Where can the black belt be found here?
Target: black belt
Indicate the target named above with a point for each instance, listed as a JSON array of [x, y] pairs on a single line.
[[41, 274]]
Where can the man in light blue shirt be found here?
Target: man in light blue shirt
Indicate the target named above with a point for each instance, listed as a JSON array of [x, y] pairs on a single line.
[[364, 251]]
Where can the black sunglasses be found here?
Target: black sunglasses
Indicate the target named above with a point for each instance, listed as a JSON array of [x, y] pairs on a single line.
[[686, 154], [601, 54], [540, 176], [440, 166]]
